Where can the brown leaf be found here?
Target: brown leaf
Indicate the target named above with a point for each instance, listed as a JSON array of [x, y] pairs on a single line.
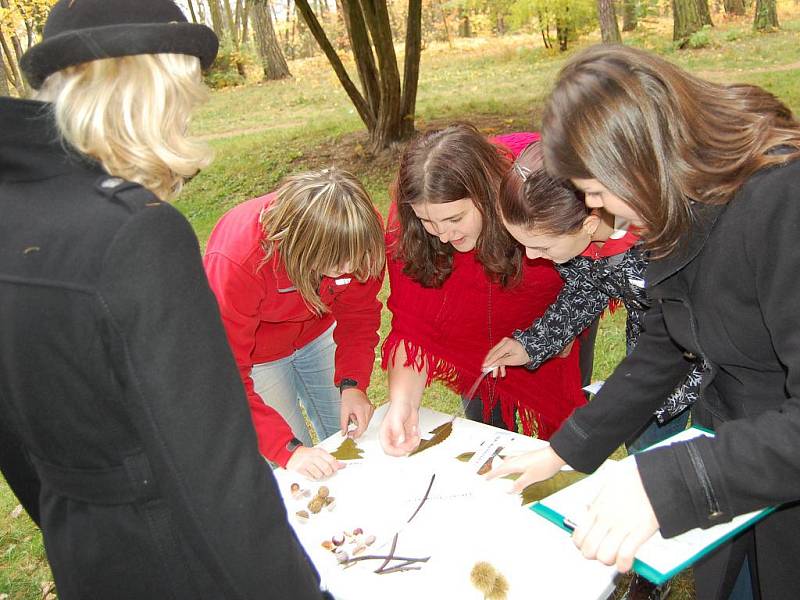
[[440, 434], [542, 489], [348, 450], [48, 590], [465, 456], [16, 512]]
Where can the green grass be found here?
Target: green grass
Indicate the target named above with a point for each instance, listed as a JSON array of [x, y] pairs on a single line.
[[262, 132]]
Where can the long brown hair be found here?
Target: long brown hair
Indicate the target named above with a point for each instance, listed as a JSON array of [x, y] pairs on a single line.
[[444, 166], [320, 221], [531, 198], [660, 138]]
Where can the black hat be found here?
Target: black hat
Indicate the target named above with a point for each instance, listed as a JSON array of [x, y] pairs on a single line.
[[79, 31]]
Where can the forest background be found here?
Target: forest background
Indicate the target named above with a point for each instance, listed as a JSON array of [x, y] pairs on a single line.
[[303, 84]]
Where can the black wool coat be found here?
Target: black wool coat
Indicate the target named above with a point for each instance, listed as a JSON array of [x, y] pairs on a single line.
[[125, 425], [729, 296]]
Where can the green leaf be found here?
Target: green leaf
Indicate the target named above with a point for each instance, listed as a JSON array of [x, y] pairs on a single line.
[[348, 450], [440, 434]]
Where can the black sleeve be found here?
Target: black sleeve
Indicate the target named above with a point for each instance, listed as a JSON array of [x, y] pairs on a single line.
[[637, 387], [578, 304], [187, 402]]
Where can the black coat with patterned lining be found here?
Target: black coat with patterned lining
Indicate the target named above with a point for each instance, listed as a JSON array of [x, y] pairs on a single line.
[[589, 286]]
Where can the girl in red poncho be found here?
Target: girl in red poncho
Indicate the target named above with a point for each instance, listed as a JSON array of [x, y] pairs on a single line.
[[459, 284]]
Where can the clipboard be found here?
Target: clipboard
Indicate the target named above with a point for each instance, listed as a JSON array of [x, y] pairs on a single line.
[[658, 559]]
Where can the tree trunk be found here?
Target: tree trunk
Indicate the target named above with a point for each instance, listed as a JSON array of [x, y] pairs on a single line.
[[766, 16], [562, 33], [362, 52], [704, 12], [411, 67], [388, 126], [231, 23], [465, 26], [356, 98], [217, 22], [13, 73], [685, 21], [446, 26], [4, 89], [734, 7], [609, 29], [246, 22], [191, 11], [272, 59], [629, 19]]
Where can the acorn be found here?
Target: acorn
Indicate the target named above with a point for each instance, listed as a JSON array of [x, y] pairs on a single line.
[[323, 492], [328, 545], [315, 505], [370, 539], [295, 487], [358, 531], [338, 539]]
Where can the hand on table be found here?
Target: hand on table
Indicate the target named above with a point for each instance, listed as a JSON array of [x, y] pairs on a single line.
[[356, 407], [399, 432], [507, 352], [533, 466], [618, 521], [313, 463]]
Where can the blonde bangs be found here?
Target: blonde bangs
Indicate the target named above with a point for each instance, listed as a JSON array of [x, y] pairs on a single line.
[[131, 114], [321, 222]]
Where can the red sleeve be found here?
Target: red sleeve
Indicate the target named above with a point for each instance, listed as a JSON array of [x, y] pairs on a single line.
[[357, 311], [515, 142], [239, 297]]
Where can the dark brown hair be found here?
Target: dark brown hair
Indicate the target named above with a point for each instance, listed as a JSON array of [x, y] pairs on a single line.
[[660, 138], [531, 198], [444, 166]]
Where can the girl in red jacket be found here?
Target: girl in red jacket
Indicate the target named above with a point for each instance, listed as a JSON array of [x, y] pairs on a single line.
[[296, 274], [459, 285]]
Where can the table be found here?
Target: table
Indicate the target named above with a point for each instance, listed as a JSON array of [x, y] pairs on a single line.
[[464, 519]]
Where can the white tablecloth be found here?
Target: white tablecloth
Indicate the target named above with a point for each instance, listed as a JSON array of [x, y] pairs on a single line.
[[464, 520]]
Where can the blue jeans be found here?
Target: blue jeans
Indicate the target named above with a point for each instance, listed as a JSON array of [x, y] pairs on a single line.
[[305, 377]]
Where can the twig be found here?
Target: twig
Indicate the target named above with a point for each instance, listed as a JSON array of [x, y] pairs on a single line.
[[428, 491], [403, 565], [391, 553], [397, 569], [380, 556]]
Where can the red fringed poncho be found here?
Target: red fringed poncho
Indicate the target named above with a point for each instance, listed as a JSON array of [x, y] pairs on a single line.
[[453, 327]]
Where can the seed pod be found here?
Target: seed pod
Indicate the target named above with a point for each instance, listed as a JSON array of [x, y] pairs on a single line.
[[302, 516], [338, 539], [323, 492], [358, 531], [369, 540], [341, 555], [315, 505]]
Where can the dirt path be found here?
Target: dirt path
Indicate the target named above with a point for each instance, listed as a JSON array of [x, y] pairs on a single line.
[[729, 73]]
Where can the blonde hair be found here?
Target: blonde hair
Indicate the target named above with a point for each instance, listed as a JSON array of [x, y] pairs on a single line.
[[131, 115], [322, 221]]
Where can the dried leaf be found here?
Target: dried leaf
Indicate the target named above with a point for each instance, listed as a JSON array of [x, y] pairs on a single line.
[[542, 489], [348, 450], [465, 456], [440, 434], [17, 511], [48, 590]]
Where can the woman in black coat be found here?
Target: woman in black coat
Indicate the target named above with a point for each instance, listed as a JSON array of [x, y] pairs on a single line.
[[711, 174], [126, 433]]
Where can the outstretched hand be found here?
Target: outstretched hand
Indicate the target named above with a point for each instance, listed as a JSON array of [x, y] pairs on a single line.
[[533, 466], [399, 432], [507, 352]]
